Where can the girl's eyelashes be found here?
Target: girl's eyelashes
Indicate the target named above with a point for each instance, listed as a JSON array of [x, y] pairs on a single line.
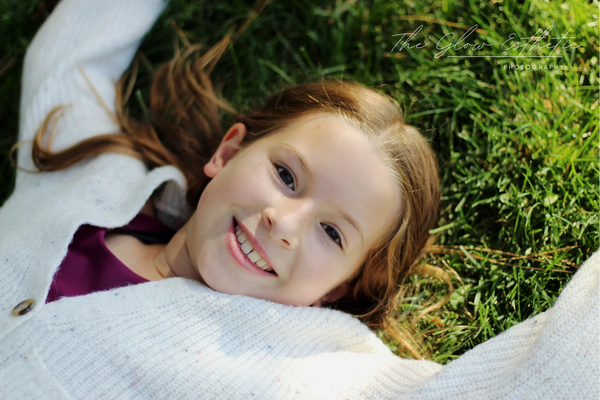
[[333, 234], [286, 177]]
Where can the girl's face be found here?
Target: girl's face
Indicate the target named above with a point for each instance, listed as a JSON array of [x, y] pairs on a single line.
[[291, 217]]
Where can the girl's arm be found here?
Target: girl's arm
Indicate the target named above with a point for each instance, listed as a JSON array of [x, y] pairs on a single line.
[[84, 46]]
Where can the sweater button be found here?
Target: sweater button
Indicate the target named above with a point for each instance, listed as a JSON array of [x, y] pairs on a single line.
[[23, 307]]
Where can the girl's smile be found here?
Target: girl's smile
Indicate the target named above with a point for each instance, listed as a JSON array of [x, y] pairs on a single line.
[[248, 252], [291, 216]]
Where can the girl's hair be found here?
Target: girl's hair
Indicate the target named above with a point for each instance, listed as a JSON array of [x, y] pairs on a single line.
[[185, 112]]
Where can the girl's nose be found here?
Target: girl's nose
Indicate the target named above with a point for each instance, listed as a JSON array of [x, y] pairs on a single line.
[[285, 223]]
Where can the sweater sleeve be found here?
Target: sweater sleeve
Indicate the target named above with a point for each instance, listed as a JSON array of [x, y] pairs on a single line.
[[82, 48], [553, 355]]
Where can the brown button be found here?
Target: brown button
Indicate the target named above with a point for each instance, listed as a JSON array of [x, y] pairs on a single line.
[[23, 307]]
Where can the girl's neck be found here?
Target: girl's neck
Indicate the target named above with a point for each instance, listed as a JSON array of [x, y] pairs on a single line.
[[176, 258], [145, 260], [156, 261]]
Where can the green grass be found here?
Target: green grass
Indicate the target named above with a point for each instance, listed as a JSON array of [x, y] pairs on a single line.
[[518, 149]]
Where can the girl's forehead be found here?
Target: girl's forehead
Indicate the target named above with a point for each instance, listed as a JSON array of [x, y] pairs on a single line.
[[321, 129]]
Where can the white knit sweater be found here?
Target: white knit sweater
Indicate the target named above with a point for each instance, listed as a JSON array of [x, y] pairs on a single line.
[[178, 339]]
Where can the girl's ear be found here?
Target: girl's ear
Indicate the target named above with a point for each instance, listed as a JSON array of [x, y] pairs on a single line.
[[230, 145], [332, 296]]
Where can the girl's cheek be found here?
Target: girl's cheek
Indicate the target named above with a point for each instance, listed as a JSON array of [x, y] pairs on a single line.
[[255, 183], [318, 259], [242, 182]]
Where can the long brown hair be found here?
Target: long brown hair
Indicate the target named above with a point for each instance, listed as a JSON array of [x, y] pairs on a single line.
[[185, 113]]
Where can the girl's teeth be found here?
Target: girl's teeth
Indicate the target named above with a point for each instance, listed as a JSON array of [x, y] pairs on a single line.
[[249, 250], [254, 257], [246, 247]]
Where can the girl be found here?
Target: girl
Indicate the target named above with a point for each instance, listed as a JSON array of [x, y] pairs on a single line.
[[323, 197]]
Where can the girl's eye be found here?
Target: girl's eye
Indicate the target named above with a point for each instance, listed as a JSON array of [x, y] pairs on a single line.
[[286, 177], [333, 234]]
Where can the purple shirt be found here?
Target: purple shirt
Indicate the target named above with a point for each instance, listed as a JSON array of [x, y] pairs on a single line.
[[91, 267]]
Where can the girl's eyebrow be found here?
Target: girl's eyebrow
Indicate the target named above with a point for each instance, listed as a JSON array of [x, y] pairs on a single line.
[[355, 224], [294, 153]]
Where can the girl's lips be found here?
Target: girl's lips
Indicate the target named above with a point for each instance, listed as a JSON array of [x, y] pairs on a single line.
[[240, 257]]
